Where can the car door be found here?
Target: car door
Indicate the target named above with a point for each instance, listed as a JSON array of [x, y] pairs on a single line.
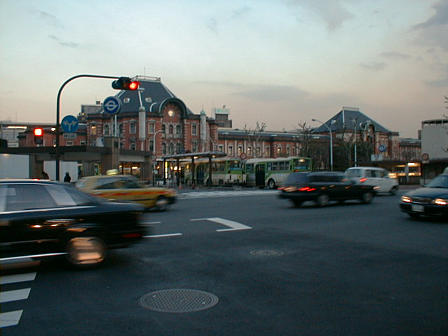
[[28, 223]]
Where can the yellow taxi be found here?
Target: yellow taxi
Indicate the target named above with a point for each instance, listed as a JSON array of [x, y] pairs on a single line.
[[127, 188]]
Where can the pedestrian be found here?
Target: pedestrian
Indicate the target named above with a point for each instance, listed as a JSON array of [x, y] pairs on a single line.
[[45, 175], [67, 178]]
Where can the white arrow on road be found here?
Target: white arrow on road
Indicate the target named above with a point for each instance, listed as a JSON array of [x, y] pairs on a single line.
[[234, 226]]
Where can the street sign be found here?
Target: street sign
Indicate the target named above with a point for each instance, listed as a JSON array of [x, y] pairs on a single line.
[[69, 124], [382, 148], [111, 105]]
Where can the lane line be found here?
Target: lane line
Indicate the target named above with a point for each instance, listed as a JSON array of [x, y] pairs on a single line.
[[8, 279], [151, 223], [233, 226], [10, 319], [164, 235], [14, 295]]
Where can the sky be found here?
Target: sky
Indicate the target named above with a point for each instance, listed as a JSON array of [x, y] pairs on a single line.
[[280, 62]]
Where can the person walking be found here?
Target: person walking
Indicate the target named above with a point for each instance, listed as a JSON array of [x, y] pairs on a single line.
[[67, 178]]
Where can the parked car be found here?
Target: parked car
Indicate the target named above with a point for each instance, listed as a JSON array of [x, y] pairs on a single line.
[[127, 188], [323, 187], [431, 200], [373, 176], [42, 218]]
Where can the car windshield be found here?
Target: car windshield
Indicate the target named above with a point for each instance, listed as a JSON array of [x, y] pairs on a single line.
[[440, 181]]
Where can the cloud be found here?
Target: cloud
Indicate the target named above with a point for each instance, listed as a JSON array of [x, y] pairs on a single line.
[[443, 80], [439, 18], [395, 55], [50, 19], [434, 31], [214, 23], [374, 66], [271, 92], [64, 43], [332, 12]]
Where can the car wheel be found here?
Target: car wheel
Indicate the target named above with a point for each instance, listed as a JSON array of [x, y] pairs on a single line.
[[367, 197], [161, 203], [322, 200], [84, 251], [297, 203], [394, 190], [271, 184]]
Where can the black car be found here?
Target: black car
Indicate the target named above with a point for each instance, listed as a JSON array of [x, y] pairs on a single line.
[[44, 218], [432, 200], [323, 187]]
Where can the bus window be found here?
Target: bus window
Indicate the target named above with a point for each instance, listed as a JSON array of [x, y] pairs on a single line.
[[250, 168]]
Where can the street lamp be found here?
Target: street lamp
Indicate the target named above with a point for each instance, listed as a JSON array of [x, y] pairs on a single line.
[[355, 154], [331, 140], [154, 154]]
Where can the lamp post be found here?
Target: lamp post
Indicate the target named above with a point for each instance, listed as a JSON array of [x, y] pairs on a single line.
[[154, 154], [331, 141], [355, 154]]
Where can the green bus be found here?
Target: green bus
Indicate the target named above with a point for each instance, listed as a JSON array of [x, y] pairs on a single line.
[[273, 172]]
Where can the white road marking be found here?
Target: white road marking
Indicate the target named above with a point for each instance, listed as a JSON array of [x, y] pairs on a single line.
[[234, 226], [7, 279], [14, 295], [207, 194], [164, 235], [150, 223], [10, 319]]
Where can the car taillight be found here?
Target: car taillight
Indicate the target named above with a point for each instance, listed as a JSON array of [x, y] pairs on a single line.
[[362, 180], [132, 235], [307, 189]]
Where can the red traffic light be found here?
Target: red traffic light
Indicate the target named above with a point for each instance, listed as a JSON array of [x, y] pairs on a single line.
[[125, 83], [134, 85], [38, 132]]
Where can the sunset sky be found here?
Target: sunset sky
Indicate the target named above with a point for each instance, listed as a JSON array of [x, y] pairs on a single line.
[[278, 62]]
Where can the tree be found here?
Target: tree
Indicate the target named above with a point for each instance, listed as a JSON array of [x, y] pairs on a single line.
[[254, 137]]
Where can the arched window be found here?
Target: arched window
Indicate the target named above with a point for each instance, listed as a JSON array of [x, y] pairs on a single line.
[[178, 129], [171, 129], [164, 148], [163, 128], [171, 148]]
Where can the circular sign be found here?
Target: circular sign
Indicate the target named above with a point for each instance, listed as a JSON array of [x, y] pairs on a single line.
[[243, 156], [425, 156], [111, 105], [382, 148], [69, 124]]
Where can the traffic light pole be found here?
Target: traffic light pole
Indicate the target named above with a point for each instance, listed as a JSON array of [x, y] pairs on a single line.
[[58, 131]]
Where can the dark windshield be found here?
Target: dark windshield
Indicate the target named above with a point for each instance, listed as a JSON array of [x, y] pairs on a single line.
[[297, 178], [440, 181]]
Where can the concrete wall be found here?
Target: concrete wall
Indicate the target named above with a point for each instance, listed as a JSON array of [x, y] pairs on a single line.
[[435, 141]]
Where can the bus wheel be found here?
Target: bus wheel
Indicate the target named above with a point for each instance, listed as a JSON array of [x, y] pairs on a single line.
[[271, 184]]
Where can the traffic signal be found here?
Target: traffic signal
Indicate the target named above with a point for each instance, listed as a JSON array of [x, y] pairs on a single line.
[[38, 136], [125, 83]]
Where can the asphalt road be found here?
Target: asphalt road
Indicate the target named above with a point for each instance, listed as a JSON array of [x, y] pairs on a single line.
[[252, 265]]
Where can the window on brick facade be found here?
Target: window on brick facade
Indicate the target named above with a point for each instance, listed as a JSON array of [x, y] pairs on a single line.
[[151, 145], [178, 129], [240, 150], [194, 129], [132, 145], [106, 129], [221, 148], [132, 127], [194, 146], [171, 129], [230, 151], [171, 148], [279, 149], [178, 148], [164, 148], [151, 128], [163, 128]]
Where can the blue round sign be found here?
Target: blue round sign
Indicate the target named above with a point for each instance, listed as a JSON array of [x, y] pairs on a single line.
[[69, 124], [382, 148], [111, 105]]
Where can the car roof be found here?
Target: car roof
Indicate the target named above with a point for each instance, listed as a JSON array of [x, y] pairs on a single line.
[[28, 181]]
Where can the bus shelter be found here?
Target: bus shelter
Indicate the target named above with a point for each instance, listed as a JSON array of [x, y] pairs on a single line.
[[191, 157]]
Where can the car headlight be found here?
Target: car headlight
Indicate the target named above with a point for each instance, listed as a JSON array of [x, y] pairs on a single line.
[[406, 199], [440, 201]]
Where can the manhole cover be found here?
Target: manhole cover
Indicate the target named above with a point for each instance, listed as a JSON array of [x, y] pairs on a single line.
[[178, 300], [266, 253]]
